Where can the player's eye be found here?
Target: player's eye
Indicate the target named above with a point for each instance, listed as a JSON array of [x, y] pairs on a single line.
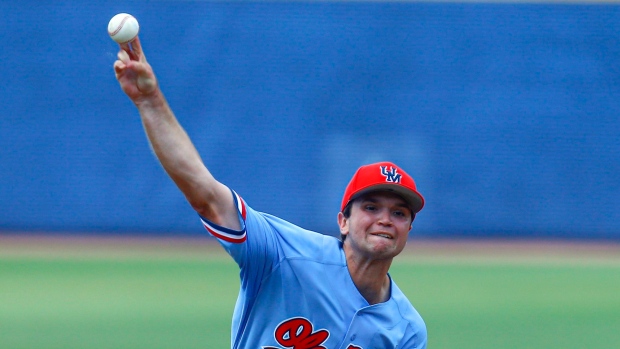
[[401, 213]]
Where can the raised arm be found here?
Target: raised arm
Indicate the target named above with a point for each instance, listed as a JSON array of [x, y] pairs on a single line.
[[170, 142]]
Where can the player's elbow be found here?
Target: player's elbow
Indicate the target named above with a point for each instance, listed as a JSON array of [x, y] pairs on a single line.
[[202, 209], [202, 203], [210, 201]]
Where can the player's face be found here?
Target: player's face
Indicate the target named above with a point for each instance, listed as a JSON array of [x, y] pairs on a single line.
[[378, 226]]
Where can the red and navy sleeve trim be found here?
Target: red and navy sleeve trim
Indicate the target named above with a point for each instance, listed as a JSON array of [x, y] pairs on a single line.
[[226, 234]]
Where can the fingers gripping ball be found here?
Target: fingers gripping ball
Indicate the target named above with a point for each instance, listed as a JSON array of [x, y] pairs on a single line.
[[123, 28]]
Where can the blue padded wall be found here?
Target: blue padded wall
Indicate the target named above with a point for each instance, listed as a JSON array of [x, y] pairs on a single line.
[[505, 114]]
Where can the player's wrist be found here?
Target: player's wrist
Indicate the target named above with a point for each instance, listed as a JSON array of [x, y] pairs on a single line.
[[154, 102]]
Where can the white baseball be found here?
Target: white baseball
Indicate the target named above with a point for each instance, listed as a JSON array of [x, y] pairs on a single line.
[[123, 28]]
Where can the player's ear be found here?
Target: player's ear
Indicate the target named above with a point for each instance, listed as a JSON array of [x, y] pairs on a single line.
[[412, 219], [343, 224]]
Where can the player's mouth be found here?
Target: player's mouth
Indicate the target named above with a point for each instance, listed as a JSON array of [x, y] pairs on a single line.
[[383, 235]]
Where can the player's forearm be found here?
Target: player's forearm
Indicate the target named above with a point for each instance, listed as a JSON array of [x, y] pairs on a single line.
[[175, 150], [181, 160]]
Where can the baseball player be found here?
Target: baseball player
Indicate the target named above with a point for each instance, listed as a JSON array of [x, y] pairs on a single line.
[[299, 289]]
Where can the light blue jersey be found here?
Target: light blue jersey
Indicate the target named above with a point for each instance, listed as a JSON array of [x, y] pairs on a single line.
[[296, 292]]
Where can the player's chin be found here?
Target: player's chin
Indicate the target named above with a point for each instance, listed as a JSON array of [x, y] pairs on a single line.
[[386, 248]]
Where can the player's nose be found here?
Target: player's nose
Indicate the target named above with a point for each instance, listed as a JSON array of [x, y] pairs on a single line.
[[384, 217]]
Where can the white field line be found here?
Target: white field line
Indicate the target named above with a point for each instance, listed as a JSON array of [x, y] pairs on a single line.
[[103, 247], [424, 1], [417, 251], [512, 252]]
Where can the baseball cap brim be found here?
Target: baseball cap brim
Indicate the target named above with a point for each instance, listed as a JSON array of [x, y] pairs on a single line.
[[414, 200]]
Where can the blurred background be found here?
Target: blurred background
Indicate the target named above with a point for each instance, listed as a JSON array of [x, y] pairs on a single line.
[[505, 113]]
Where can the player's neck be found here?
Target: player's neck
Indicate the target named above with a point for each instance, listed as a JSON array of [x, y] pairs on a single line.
[[370, 278]]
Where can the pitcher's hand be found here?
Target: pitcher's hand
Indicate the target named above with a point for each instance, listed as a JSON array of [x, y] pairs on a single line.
[[134, 73]]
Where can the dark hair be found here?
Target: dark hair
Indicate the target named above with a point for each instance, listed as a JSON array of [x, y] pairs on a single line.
[[346, 213]]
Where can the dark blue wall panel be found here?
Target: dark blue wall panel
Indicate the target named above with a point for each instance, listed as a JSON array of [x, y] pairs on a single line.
[[507, 115]]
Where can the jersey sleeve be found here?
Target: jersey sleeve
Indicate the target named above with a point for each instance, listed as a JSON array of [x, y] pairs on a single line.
[[254, 248], [417, 337], [225, 234]]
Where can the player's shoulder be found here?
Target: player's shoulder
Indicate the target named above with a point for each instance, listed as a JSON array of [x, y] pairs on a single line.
[[416, 333], [406, 310], [298, 242]]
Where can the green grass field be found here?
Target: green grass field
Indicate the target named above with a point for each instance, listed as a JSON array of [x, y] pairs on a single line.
[[59, 294]]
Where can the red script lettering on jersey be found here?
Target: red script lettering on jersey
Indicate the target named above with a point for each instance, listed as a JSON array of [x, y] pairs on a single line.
[[298, 333]]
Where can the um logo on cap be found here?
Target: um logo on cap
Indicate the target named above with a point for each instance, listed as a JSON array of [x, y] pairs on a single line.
[[391, 175]]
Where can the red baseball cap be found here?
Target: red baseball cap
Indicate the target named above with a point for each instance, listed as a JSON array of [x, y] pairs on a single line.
[[383, 176]]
